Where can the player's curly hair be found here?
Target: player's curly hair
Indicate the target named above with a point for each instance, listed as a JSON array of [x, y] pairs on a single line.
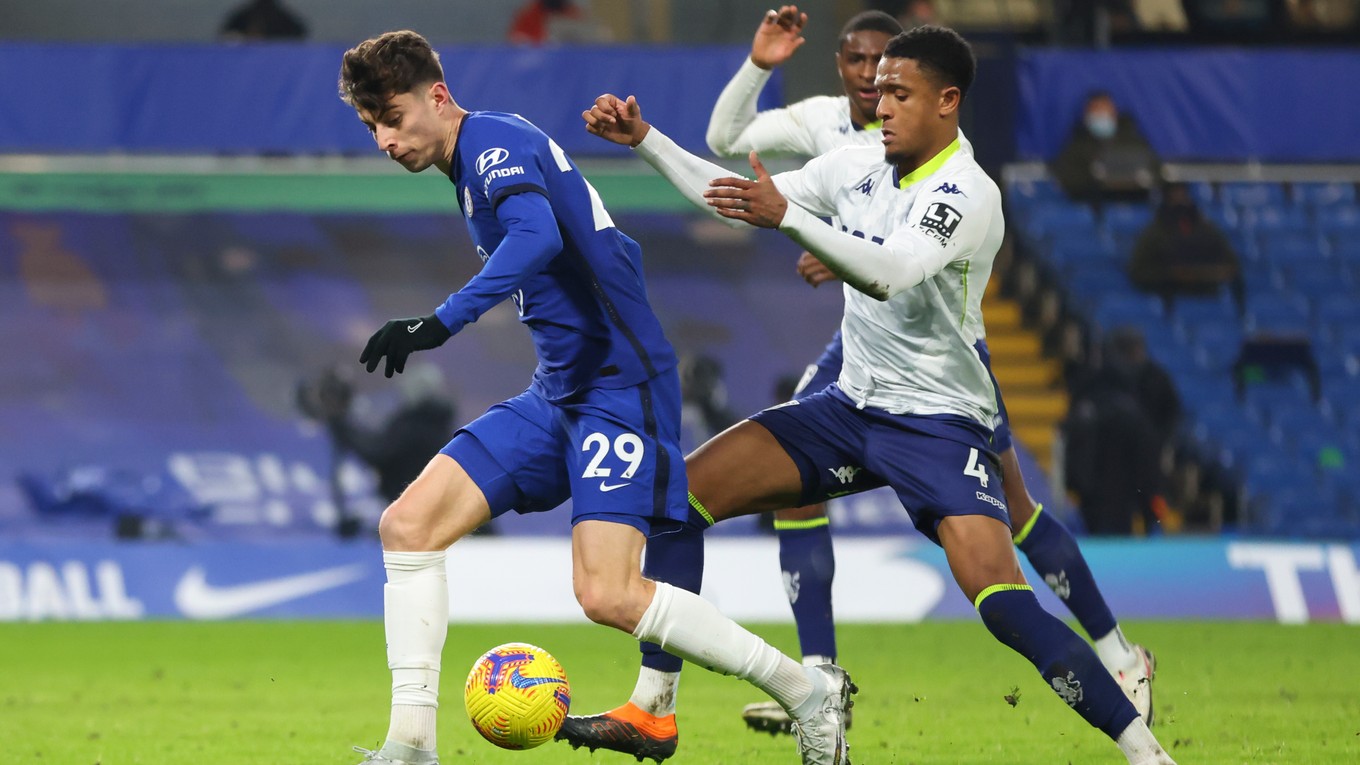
[[381, 67], [942, 54]]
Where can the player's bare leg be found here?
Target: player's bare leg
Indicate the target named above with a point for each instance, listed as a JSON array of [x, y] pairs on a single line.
[[1054, 553], [981, 556], [440, 507], [767, 480]]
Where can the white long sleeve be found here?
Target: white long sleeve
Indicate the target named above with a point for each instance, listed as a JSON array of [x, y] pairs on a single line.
[[735, 127], [687, 173], [880, 271], [736, 107]]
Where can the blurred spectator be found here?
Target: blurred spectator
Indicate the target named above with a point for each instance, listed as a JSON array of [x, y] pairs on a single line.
[[1181, 252], [1092, 22], [540, 22], [398, 448], [1234, 19], [263, 20], [1161, 15], [1123, 416], [704, 411], [1106, 158]]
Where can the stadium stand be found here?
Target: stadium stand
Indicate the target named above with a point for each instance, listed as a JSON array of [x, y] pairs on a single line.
[[1282, 424]]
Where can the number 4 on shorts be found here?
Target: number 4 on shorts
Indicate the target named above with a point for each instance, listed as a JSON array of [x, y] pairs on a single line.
[[974, 469]]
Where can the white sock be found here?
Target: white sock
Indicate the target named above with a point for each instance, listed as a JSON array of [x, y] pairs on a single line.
[[1140, 746], [691, 628], [1115, 652], [416, 618], [813, 660], [655, 692]]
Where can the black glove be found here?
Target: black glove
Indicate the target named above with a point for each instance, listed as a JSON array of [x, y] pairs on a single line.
[[399, 338]]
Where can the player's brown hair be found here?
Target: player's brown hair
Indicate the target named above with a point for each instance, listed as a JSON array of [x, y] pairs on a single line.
[[381, 67]]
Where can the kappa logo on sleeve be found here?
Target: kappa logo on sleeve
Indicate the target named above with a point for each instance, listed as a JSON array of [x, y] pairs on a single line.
[[490, 158], [941, 221]]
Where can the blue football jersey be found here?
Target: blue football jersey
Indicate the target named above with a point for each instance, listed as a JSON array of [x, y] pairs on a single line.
[[587, 308]]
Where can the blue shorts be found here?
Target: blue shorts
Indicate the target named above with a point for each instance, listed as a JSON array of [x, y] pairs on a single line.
[[615, 453], [939, 465], [827, 370]]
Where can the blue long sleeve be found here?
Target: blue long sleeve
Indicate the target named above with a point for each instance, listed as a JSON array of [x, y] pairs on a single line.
[[531, 240]]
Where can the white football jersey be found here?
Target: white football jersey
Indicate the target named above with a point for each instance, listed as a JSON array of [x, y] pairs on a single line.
[[913, 353]]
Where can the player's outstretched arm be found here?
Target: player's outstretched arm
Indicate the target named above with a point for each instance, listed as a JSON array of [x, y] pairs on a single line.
[[735, 127], [620, 121]]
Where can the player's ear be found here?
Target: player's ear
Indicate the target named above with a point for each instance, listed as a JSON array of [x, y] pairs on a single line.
[[950, 98], [439, 95]]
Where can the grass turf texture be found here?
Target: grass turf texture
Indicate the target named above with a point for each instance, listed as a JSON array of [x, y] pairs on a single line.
[[281, 692]]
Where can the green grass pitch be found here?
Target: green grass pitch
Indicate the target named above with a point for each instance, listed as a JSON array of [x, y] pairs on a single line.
[[275, 693]]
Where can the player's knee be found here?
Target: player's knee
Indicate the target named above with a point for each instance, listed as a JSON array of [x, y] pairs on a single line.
[[607, 605], [404, 527]]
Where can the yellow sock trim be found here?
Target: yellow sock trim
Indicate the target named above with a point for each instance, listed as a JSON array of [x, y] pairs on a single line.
[[1029, 524], [810, 523], [699, 506], [977, 603]]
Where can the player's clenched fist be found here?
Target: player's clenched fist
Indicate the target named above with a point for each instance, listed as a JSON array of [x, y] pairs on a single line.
[[616, 120]]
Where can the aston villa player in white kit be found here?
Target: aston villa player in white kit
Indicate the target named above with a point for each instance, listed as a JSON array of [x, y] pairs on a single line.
[[815, 126], [919, 227]]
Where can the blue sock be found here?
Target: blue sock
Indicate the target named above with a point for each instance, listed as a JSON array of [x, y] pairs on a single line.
[[1053, 552], [809, 565], [676, 558], [1067, 662]]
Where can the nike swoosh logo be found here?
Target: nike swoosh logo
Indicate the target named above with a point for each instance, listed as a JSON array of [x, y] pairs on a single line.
[[606, 487], [415, 326], [197, 599]]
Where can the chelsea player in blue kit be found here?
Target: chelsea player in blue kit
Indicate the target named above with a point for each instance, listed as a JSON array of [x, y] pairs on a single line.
[[598, 424]]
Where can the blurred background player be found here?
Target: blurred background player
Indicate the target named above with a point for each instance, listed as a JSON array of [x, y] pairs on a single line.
[[599, 423], [914, 398], [813, 127]]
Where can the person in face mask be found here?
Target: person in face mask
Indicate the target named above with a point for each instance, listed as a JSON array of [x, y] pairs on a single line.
[[1181, 252], [1106, 158]]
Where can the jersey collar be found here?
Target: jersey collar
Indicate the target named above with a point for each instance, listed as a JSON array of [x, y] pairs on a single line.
[[875, 125], [928, 168]]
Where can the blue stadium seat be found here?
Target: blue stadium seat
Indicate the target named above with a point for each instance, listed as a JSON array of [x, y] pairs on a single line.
[[1066, 248], [1128, 308], [1346, 249], [1315, 278], [1218, 343], [1278, 402], [1302, 511], [1225, 217], [1281, 314], [1291, 245], [1203, 192], [1025, 194], [1243, 443], [1339, 310], [1191, 312], [1342, 220], [1243, 243], [1126, 219], [1261, 278], [1323, 194], [1092, 283], [1252, 194], [1278, 220], [1049, 218]]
